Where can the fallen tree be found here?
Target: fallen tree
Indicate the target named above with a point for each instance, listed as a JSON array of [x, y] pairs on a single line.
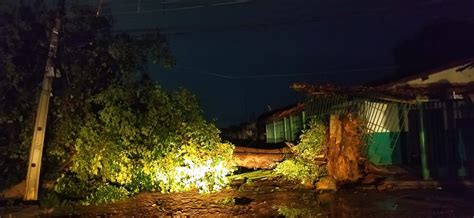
[[257, 161], [255, 158]]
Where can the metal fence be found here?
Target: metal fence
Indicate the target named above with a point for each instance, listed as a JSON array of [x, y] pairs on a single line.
[[449, 130], [382, 122], [286, 129], [391, 131]]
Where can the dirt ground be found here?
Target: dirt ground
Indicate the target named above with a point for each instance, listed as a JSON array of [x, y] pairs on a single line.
[[273, 197]]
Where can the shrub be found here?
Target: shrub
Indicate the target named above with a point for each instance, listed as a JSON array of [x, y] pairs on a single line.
[[312, 141], [70, 187], [297, 170], [303, 166], [107, 194]]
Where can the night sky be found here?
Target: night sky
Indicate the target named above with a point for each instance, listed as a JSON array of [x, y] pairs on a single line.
[[240, 57]]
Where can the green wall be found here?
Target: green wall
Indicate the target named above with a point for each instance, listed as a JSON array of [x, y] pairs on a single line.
[[384, 148], [287, 129]]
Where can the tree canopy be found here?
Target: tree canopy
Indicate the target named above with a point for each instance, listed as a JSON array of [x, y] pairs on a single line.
[[109, 126]]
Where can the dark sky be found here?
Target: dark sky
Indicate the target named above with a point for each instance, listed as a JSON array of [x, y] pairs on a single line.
[[241, 58]]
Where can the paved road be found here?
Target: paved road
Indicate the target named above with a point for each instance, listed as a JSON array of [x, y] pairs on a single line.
[[273, 197]]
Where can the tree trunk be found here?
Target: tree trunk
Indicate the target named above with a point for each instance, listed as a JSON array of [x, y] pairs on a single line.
[[344, 149], [255, 158], [241, 149]]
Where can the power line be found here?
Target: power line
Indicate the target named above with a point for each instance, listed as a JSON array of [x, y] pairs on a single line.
[[280, 21], [321, 73], [220, 4], [224, 3], [232, 2], [139, 11]]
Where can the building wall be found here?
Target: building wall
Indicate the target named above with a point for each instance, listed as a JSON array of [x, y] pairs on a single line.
[[286, 129], [384, 124]]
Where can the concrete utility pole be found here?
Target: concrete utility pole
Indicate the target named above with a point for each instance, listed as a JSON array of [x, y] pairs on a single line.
[[99, 8], [36, 152]]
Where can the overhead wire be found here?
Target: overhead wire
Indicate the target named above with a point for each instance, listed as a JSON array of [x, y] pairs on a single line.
[[290, 20], [263, 76], [231, 2], [281, 21], [138, 10]]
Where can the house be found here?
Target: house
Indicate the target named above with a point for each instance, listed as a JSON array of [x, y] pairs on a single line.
[[447, 114], [456, 80], [424, 121], [285, 124]]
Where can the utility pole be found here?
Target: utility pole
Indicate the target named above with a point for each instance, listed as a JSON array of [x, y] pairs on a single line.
[[99, 8], [36, 152]]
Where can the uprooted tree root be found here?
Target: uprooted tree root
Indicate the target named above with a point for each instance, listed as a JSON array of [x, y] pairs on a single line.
[[344, 150]]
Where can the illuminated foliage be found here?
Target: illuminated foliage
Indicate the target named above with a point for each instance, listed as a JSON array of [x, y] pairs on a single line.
[[303, 167], [111, 131], [312, 141], [142, 138], [191, 167]]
